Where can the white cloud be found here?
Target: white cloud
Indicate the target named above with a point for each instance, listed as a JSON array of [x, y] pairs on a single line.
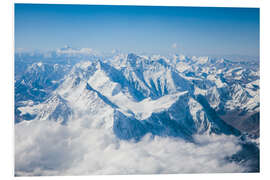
[[114, 51], [174, 45], [78, 51], [48, 148]]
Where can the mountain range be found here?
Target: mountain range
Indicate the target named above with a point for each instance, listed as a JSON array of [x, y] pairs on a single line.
[[133, 95]]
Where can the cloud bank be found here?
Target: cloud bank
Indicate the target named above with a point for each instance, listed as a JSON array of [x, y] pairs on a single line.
[[48, 148]]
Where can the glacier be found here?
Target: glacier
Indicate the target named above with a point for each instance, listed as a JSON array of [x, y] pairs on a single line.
[[131, 104]]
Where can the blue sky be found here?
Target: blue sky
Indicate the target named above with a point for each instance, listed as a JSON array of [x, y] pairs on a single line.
[[187, 30]]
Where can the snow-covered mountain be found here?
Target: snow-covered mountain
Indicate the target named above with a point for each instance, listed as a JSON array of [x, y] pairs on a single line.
[[133, 95], [139, 86]]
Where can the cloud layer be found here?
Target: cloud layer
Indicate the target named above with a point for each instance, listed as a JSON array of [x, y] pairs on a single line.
[[48, 148]]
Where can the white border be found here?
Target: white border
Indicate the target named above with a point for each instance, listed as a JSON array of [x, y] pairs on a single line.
[[214, 3], [6, 95]]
